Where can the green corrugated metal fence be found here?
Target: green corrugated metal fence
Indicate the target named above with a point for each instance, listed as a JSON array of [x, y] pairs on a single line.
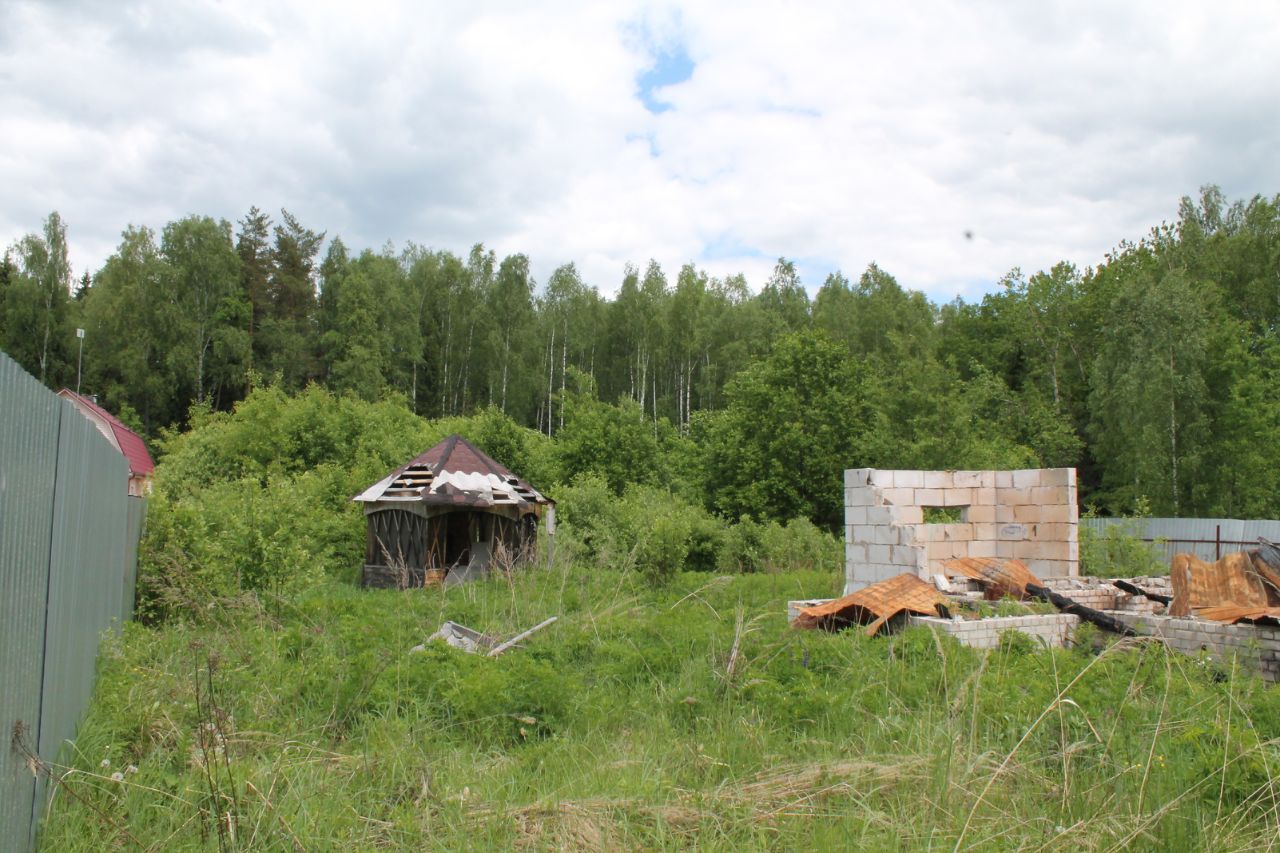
[[68, 546]]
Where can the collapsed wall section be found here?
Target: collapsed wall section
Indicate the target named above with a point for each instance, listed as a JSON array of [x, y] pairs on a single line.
[[913, 521]]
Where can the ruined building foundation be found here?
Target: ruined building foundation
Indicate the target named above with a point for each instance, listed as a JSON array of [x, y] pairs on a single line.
[[1030, 515]]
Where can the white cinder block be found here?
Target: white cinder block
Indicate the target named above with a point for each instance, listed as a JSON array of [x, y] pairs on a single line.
[[982, 548], [884, 534], [958, 532], [1051, 532], [985, 532], [1055, 513], [897, 497], [985, 495], [855, 552], [1026, 514], [879, 554], [938, 551], [856, 477], [908, 479], [966, 479], [929, 497], [864, 532], [860, 496], [980, 513], [1058, 476], [1026, 478], [855, 515], [957, 497], [936, 480], [909, 534], [880, 479], [1044, 495], [908, 515], [879, 515], [1004, 479]]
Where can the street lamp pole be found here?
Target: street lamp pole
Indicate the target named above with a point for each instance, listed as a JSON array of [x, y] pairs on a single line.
[[80, 359]]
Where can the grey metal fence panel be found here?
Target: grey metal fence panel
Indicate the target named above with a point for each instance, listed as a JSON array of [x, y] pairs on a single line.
[[1207, 538], [137, 516], [29, 419], [87, 559], [68, 549]]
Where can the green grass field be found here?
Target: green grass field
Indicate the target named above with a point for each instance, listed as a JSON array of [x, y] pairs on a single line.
[[686, 715]]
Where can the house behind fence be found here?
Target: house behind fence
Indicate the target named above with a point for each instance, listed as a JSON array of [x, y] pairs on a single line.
[[68, 545]]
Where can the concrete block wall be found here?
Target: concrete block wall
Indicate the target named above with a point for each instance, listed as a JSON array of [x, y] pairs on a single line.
[[1053, 629], [1029, 514], [1256, 647]]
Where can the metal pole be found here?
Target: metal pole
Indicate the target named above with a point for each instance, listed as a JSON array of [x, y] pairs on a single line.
[[80, 359], [1217, 542]]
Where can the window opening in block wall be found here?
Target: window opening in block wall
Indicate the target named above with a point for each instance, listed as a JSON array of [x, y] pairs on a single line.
[[945, 514]]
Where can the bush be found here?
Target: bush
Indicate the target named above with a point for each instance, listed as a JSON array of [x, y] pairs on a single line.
[[750, 546], [1118, 551]]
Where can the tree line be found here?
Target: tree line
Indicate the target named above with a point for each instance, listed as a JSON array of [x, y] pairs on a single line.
[[1155, 371]]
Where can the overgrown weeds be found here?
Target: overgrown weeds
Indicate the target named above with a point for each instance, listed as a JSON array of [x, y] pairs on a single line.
[[669, 716]]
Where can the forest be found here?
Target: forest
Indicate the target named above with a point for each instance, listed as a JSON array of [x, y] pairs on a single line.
[[1154, 371]]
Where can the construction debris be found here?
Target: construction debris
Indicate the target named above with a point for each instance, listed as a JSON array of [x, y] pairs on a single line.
[[1134, 589], [1088, 614], [999, 577], [473, 642], [875, 605], [1241, 580]]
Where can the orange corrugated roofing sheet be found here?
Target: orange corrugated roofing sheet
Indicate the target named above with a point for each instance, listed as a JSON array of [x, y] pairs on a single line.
[[1236, 582], [875, 605], [1000, 575], [1231, 614]]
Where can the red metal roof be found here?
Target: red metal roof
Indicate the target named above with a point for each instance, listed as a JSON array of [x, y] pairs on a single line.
[[455, 453], [130, 443]]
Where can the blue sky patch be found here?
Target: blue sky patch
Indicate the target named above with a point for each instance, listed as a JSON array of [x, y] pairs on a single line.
[[671, 65]]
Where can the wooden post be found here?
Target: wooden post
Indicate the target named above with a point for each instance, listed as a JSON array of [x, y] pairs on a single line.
[[497, 650], [1088, 614]]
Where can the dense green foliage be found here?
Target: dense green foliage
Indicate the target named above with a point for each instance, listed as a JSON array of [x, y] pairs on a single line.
[[650, 717], [1156, 372], [259, 499]]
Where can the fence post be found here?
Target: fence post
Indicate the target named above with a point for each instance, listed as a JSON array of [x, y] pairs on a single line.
[[1217, 542]]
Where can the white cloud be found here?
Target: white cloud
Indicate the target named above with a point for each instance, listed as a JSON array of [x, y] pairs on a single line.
[[835, 134]]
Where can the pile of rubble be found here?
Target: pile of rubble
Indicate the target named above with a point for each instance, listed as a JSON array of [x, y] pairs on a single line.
[[1227, 608]]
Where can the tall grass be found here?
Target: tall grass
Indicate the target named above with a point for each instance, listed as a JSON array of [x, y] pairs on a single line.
[[669, 716]]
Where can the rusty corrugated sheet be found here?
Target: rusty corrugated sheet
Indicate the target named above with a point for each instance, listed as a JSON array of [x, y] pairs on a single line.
[[1000, 576], [1237, 580], [1231, 614], [875, 605]]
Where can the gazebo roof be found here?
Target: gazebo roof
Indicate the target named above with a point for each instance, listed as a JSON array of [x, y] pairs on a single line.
[[455, 473]]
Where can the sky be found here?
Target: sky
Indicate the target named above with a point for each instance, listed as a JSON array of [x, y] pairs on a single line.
[[946, 142]]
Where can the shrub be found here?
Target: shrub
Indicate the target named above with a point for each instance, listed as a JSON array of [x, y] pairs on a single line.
[[1118, 551], [750, 546]]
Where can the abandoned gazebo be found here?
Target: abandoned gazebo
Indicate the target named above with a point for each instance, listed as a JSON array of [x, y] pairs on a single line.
[[447, 516]]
